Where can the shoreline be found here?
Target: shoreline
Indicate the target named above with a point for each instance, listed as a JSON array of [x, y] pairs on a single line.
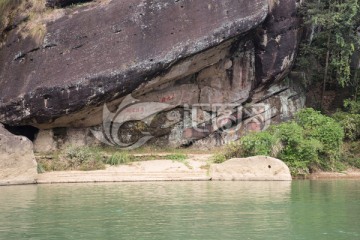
[[348, 174], [104, 176], [110, 175], [71, 177], [196, 167]]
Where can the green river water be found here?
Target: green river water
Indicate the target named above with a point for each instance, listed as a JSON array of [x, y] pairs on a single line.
[[183, 210]]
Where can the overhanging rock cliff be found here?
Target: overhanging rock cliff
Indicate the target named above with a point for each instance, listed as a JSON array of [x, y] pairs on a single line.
[[180, 53], [98, 54]]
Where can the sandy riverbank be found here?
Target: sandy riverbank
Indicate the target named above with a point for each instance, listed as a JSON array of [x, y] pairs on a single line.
[[195, 168], [119, 174]]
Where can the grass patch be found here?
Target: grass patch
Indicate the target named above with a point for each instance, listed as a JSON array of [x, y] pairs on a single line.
[[33, 16], [176, 157], [33, 13], [161, 149], [72, 158], [119, 158], [95, 158], [219, 158], [83, 158]]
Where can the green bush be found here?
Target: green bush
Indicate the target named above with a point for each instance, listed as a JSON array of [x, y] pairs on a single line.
[[351, 124], [351, 154], [72, 158], [352, 106], [257, 144], [297, 151], [312, 140], [82, 158], [325, 130], [219, 158]]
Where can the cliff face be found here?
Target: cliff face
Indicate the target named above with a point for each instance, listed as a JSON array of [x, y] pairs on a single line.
[[177, 54], [90, 55]]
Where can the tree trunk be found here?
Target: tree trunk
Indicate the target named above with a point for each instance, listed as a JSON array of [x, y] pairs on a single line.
[[326, 73], [356, 84]]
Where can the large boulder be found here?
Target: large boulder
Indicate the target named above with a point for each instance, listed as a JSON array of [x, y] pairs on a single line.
[[17, 160], [259, 168]]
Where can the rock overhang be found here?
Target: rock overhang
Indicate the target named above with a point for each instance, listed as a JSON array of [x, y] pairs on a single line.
[[101, 53]]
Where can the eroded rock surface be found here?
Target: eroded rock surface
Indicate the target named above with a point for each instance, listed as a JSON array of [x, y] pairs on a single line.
[[258, 168], [98, 54], [17, 160], [277, 41], [176, 73]]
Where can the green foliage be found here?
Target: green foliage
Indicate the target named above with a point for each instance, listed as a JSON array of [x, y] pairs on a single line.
[[352, 106], [326, 55], [311, 141], [327, 132], [351, 124], [95, 158], [297, 150], [219, 158], [351, 154], [257, 144], [40, 168], [119, 158], [176, 157], [72, 158], [322, 128], [83, 158]]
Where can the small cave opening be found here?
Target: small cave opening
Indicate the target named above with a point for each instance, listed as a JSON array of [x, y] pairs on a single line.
[[28, 131], [65, 3]]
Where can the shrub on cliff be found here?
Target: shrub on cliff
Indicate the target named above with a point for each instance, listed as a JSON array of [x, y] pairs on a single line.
[[312, 140]]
